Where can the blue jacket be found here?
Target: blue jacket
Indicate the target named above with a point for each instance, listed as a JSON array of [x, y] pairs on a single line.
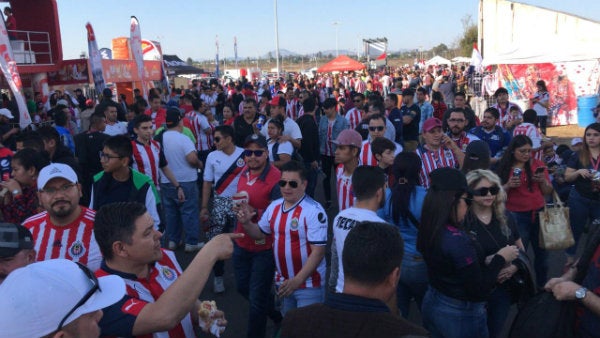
[[339, 124]]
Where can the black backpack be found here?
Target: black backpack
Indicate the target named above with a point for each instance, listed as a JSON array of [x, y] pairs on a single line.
[[295, 154]]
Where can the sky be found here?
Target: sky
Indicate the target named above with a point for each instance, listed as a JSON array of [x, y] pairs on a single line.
[[189, 28]]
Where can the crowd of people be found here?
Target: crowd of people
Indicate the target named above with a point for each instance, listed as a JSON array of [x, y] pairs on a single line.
[[424, 200]]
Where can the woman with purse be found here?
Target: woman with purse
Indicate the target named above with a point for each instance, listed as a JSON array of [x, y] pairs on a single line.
[[493, 229], [526, 181], [461, 278], [584, 198], [403, 209]]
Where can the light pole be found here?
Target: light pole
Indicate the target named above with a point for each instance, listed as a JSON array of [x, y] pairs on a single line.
[[337, 28], [276, 39]]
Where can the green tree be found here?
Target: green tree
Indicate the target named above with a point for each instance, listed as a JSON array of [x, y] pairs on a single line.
[[466, 42], [440, 49]]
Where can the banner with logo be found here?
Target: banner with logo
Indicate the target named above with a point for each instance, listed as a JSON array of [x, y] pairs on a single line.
[[126, 71], [70, 72], [95, 60], [9, 69], [135, 43]]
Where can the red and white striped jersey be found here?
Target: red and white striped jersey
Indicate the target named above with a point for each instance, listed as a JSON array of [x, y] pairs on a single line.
[[463, 141], [140, 292], [329, 138], [147, 159], [291, 109], [368, 158], [431, 160], [531, 131], [360, 86], [199, 124], [344, 188], [354, 116], [293, 231], [75, 241]]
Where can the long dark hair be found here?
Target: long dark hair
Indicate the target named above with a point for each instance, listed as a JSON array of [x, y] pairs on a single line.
[[584, 153], [406, 170], [508, 159], [441, 207]]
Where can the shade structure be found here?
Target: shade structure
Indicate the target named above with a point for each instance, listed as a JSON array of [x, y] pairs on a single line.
[[438, 60], [341, 63]]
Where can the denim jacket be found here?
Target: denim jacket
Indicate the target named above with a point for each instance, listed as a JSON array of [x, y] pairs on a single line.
[[339, 124]]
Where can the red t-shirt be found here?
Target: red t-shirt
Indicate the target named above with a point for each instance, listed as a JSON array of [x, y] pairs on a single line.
[[260, 194], [520, 198], [159, 119]]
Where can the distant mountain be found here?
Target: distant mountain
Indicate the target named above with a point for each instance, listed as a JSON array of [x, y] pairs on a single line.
[[282, 53]]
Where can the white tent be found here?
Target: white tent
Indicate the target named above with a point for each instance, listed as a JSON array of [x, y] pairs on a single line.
[[462, 59], [438, 60]]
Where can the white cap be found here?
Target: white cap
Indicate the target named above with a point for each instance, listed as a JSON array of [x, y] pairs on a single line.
[[63, 102], [576, 140], [54, 170], [7, 113], [37, 297]]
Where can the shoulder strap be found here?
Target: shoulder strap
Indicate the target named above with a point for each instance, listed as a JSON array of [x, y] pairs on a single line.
[[413, 219], [274, 151], [230, 170]]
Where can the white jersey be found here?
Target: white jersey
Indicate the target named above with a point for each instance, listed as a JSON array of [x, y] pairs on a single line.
[[366, 153], [119, 128], [290, 128], [217, 164], [176, 147], [342, 224]]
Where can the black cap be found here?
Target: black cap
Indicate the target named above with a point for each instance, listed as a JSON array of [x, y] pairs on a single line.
[[107, 93], [477, 150], [173, 117], [448, 179], [259, 140], [14, 238]]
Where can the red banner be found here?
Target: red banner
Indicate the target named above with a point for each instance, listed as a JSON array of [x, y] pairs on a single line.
[[126, 70], [70, 72]]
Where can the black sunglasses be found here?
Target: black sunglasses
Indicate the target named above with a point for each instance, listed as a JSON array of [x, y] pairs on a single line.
[[95, 287], [257, 153], [484, 191], [378, 128], [293, 184]]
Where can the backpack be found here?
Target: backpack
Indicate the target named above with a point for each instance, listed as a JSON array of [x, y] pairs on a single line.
[[295, 155]]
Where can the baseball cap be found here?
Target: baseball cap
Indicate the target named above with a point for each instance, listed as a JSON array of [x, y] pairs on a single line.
[[14, 238], [173, 117], [277, 101], [7, 113], [62, 102], [477, 150], [55, 170], [448, 179], [89, 103], [348, 137], [259, 140], [431, 123], [37, 297], [576, 140]]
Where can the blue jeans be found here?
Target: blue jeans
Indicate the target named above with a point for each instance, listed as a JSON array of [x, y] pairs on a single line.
[[497, 311], [302, 298], [447, 317], [254, 272], [413, 283], [581, 210], [181, 216], [528, 224]]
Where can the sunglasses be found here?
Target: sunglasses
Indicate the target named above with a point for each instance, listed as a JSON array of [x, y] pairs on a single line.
[[377, 128], [95, 287], [293, 184], [485, 191], [257, 153]]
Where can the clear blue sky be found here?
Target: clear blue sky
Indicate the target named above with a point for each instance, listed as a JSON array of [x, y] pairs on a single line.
[[188, 28]]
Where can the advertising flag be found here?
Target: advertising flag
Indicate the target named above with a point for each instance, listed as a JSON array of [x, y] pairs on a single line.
[[217, 57], [9, 69], [135, 43], [95, 60], [235, 51]]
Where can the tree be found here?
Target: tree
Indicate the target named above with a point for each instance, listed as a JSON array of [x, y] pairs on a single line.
[[189, 61], [440, 49], [468, 39]]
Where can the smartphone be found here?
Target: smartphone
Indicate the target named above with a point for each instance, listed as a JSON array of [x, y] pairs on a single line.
[[540, 170]]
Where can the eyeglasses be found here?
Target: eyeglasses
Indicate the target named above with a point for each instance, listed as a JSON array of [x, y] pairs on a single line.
[[485, 191], [217, 139], [52, 191], [95, 287], [376, 128], [107, 157], [293, 184], [257, 153]]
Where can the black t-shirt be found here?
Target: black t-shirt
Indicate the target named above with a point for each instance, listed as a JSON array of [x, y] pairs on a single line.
[[242, 129], [490, 236], [310, 138], [410, 132], [585, 187]]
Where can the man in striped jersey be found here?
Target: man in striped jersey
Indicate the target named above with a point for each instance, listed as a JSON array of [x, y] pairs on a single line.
[[377, 128], [298, 225], [65, 229], [355, 115], [161, 300], [347, 152], [438, 151]]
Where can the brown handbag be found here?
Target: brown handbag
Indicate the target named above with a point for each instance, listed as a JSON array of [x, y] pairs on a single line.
[[555, 227]]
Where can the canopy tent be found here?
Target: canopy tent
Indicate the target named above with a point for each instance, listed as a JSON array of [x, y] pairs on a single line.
[[438, 60], [341, 63], [461, 59], [176, 66]]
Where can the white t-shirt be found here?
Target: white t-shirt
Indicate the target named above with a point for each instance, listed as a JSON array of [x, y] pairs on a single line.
[[119, 128], [342, 224], [290, 128], [217, 163], [176, 147], [285, 148]]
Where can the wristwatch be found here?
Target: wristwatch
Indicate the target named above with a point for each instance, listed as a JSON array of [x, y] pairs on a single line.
[[580, 293]]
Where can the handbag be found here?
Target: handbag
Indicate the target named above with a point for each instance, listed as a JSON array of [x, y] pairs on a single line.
[[555, 228], [544, 317]]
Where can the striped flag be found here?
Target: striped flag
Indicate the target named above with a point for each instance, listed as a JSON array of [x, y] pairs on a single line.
[[135, 43], [11, 73], [95, 60]]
